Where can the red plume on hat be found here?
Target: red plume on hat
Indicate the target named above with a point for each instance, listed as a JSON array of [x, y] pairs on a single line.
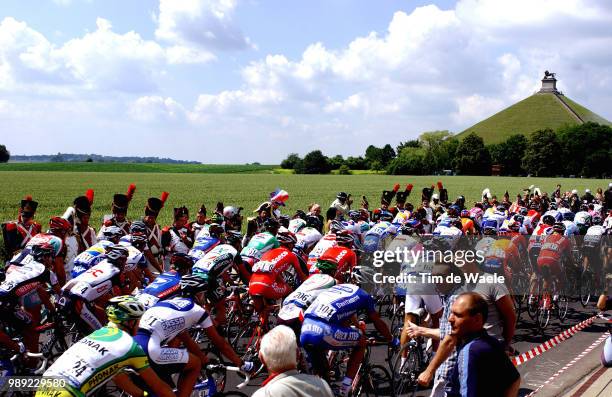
[[396, 187], [90, 196], [164, 197], [409, 187], [440, 185], [28, 198], [130, 191]]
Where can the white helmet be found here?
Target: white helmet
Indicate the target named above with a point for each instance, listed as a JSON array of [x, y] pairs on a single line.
[[230, 212]]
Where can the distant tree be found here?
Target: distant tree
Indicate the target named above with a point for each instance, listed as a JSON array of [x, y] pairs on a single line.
[[410, 161], [373, 154], [376, 165], [543, 154], [5, 155], [356, 163], [314, 163], [510, 154], [290, 161], [472, 157], [440, 147], [336, 162], [344, 170], [388, 154], [412, 143], [89, 160], [58, 158], [596, 160]]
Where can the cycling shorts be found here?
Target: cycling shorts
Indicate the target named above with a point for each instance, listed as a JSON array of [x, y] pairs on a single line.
[[261, 285], [552, 264], [414, 303], [167, 357], [321, 335], [493, 265]]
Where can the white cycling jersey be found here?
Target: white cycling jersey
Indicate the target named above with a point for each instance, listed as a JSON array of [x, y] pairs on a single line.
[[299, 300], [581, 217], [93, 283], [216, 261], [307, 238], [327, 241], [297, 224]]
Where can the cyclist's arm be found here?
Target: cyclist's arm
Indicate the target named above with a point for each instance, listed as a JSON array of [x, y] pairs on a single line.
[[153, 381], [380, 326], [191, 346], [223, 346], [508, 316], [6, 341], [45, 298], [298, 269]]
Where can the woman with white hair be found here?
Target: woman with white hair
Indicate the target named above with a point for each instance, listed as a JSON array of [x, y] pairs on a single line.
[[278, 351]]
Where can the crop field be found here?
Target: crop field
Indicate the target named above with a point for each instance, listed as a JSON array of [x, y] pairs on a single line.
[[139, 167], [55, 190]]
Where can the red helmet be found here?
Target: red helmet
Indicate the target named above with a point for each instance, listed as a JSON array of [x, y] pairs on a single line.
[[60, 224]]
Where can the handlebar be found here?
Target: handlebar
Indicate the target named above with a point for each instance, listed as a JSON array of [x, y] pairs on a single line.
[[247, 377], [41, 368]]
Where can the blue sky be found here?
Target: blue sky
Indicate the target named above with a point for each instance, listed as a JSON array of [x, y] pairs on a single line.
[[264, 78]]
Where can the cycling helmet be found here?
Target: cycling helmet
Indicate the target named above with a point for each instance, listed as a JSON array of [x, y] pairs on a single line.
[[548, 220], [110, 232], [385, 216], [284, 220], [139, 239], [326, 266], [138, 227], [181, 261], [193, 284], [233, 236], [230, 212], [286, 237], [489, 230], [465, 214], [124, 308], [40, 250], [335, 226], [597, 220], [436, 243], [57, 223], [314, 222], [354, 215], [518, 219], [559, 227], [271, 224], [523, 211], [300, 214], [345, 238], [116, 252]]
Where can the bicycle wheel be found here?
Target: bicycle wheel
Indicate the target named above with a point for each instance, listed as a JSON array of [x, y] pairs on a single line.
[[562, 305], [543, 316], [586, 287], [405, 376], [377, 381], [520, 286]]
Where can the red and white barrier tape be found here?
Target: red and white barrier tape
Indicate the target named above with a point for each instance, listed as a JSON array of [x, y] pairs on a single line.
[[549, 344], [577, 358]]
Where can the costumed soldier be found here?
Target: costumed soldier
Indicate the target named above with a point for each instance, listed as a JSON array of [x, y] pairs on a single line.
[[400, 200], [177, 239], [425, 211], [154, 237], [443, 194], [120, 206], [385, 200], [200, 222], [85, 234], [17, 233]]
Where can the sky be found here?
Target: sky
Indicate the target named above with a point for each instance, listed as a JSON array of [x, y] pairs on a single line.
[[238, 81]]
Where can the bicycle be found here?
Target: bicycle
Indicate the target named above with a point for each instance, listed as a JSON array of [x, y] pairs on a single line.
[[14, 365], [551, 301], [416, 353], [371, 379]]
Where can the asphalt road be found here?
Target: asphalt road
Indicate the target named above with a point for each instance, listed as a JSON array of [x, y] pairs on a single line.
[[535, 372]]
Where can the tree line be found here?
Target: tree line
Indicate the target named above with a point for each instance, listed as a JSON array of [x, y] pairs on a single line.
[[580, 150]]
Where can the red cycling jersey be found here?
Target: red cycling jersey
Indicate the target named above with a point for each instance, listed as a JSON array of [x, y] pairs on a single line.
[[267, 279], [344, 257], [554, 247]]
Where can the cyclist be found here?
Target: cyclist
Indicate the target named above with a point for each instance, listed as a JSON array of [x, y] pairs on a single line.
[[166, 285], [216, 265], [341, 255], [582, 219], [101, 356], [556, 250], [261, 243], [208, 239], [95, 254], [232, 218], [25, 287], [89, 292], [325, 242], [139, 228], [594, 256], [268, 279], [467, 224], [327, 326], [173, 318]]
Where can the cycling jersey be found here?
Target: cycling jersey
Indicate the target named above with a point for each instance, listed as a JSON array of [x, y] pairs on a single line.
[[567, 214], [501, 258], [582, 219], [344, 257], [495, 215], [94, 360], [90, 257], [327, 241], [267, 279], [95, 282], [297, 224], [571, 229], [203, 244], [163, 322], [476, 214], [467, 226], [374, 239], [541, 231], [555, 214], [164, 286], [216, 262], [593, 236], [259, 245], [451, 234], [554, 248], [307, 238], [402, 217], [294, 305], [23, 281]]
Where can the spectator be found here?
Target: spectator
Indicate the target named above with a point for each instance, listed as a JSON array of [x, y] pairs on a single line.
[[315, 210], [278, 352], [608, 197], [342, 204], [482, 367], [588, 196], [330, 215]]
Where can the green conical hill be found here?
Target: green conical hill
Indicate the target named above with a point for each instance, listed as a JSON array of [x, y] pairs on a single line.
[[539, 111]]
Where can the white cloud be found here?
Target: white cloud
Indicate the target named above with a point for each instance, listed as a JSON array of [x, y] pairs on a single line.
[[156, 108], [197, 27]]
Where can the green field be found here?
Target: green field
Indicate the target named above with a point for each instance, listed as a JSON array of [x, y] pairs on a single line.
[[140, 167], [56, 190]]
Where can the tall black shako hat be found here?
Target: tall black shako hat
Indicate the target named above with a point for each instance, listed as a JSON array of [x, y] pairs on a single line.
[[180, 212], [122, 201], [28, 205], [154, 204], [427, 193], [443, 192], [387, 195], [82, 204], [401, 197]]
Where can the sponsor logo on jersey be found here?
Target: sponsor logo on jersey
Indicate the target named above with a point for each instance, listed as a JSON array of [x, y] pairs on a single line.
[[347, 302], [95, 345], [170, 326]]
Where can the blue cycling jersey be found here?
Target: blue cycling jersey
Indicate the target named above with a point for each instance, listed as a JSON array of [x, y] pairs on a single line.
[[164, 285], [339, 303]]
